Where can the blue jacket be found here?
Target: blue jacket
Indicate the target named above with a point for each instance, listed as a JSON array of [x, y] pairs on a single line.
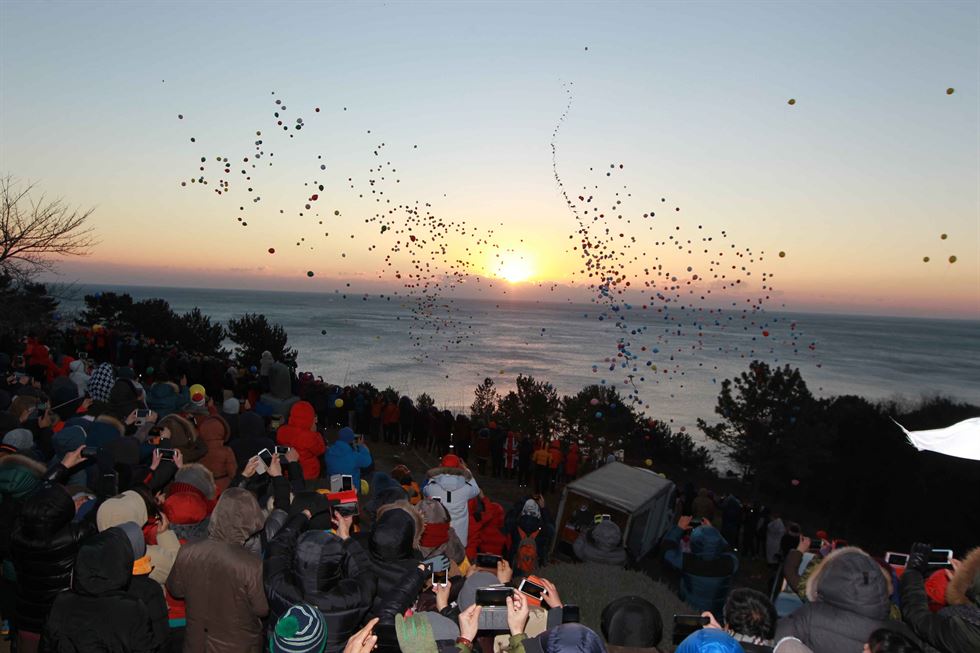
[[164, 400], [341, 458], [707, 571]]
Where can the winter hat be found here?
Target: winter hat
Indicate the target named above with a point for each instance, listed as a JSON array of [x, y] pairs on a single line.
[[199, 476], [198, 395], [126, 507], [633, 622], [531, 508], [135, 534], [346, 434], [571, 637], [19, 439], [231, 406], [402, 474], [301, 630], [709, 640], [936, 585], [602, 543], [451, 460], [443, 628], [791, 645], [101, 382], [415, 634]]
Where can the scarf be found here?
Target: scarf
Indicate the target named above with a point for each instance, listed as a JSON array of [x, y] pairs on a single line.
[[435, 535]]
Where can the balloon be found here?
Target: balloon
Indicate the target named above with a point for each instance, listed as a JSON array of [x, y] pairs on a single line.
[[943, 236], [598, 414], [272, 250], [952, 259], [791, 101], [309, 273], [648, 462], [795, 482], [782, 255], [339, 403], [925, 259], [950, 90], [594, 401]]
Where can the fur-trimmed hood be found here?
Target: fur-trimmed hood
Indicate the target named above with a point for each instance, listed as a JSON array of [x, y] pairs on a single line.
[[394, 536], [36, 468], [850, 579], [106, 418], [450, 471], [964, 587]]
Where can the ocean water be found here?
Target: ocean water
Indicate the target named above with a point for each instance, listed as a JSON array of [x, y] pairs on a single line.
[[353, 339]]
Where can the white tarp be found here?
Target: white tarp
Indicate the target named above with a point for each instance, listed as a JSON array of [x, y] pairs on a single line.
[[621, 486]]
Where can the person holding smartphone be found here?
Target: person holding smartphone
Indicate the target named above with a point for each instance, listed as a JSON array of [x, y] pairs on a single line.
[[348, 456]]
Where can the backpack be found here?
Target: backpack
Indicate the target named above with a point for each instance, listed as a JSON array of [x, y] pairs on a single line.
[[526, 560]]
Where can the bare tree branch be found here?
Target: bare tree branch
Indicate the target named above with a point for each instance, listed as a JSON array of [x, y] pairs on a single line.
[[34, 230]]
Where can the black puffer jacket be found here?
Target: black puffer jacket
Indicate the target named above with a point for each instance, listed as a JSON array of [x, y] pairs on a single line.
[[320, 569], [98, 614], [956, 627], [251, 438], [393, 545], [43, 546], [848, 597]]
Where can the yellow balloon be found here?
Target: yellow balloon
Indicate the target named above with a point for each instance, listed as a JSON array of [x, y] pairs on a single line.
[[339, 403], [648, 462]]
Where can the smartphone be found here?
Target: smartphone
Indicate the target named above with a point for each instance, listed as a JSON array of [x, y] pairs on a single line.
[[685, 624], [601, 518], [439, 499], [487, 560], [896, 559], [532, 589], [275, 421], [90, 452], [493, 596], [570, 614], [141, 415], [346, 483], [110, 484], [266, 457], [281, 450], [166, 454], [440, 577], [940, 558], [42, 406]]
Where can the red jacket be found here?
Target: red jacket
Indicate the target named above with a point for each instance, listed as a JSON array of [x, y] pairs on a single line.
[[299, 435], [486, 535]]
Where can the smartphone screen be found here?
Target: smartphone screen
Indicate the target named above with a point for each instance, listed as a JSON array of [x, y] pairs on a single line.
[[685, 624], [940, 557], [570, 614], [532, 589], [142, 413], [281, 450], [487, 560], [346, 483], [493, 596], [440, 577], [166, 454], [896, 559], [265, 456]]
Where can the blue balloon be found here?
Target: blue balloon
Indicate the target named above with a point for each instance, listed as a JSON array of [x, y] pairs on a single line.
[[598, 414]]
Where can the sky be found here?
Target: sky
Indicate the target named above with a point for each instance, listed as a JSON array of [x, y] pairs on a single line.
[[855, 182]]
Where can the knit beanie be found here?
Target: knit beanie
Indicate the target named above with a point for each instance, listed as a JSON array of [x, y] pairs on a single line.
[[198, 395], [301, 630], [135, 534], [451, 460], [346, 434], [709, 640], [19, 439], [199, 476]]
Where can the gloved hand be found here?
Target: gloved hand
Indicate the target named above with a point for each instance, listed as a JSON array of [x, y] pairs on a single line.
[[919, 558], [437, 563]]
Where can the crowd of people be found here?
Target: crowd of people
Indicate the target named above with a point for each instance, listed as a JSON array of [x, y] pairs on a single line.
[[166, 502]]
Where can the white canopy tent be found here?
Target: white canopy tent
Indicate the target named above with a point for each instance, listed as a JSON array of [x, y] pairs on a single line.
[[637, 499]]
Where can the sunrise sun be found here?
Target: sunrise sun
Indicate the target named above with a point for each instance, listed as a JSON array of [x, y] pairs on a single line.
[[514, 268]]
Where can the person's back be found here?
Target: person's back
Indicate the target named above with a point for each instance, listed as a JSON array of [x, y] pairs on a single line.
[[301, 434], [347, 457], [848, 596], [454, 486], [98, 614], [707, 570], [220, 459], [251, 438], [221, 581]]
